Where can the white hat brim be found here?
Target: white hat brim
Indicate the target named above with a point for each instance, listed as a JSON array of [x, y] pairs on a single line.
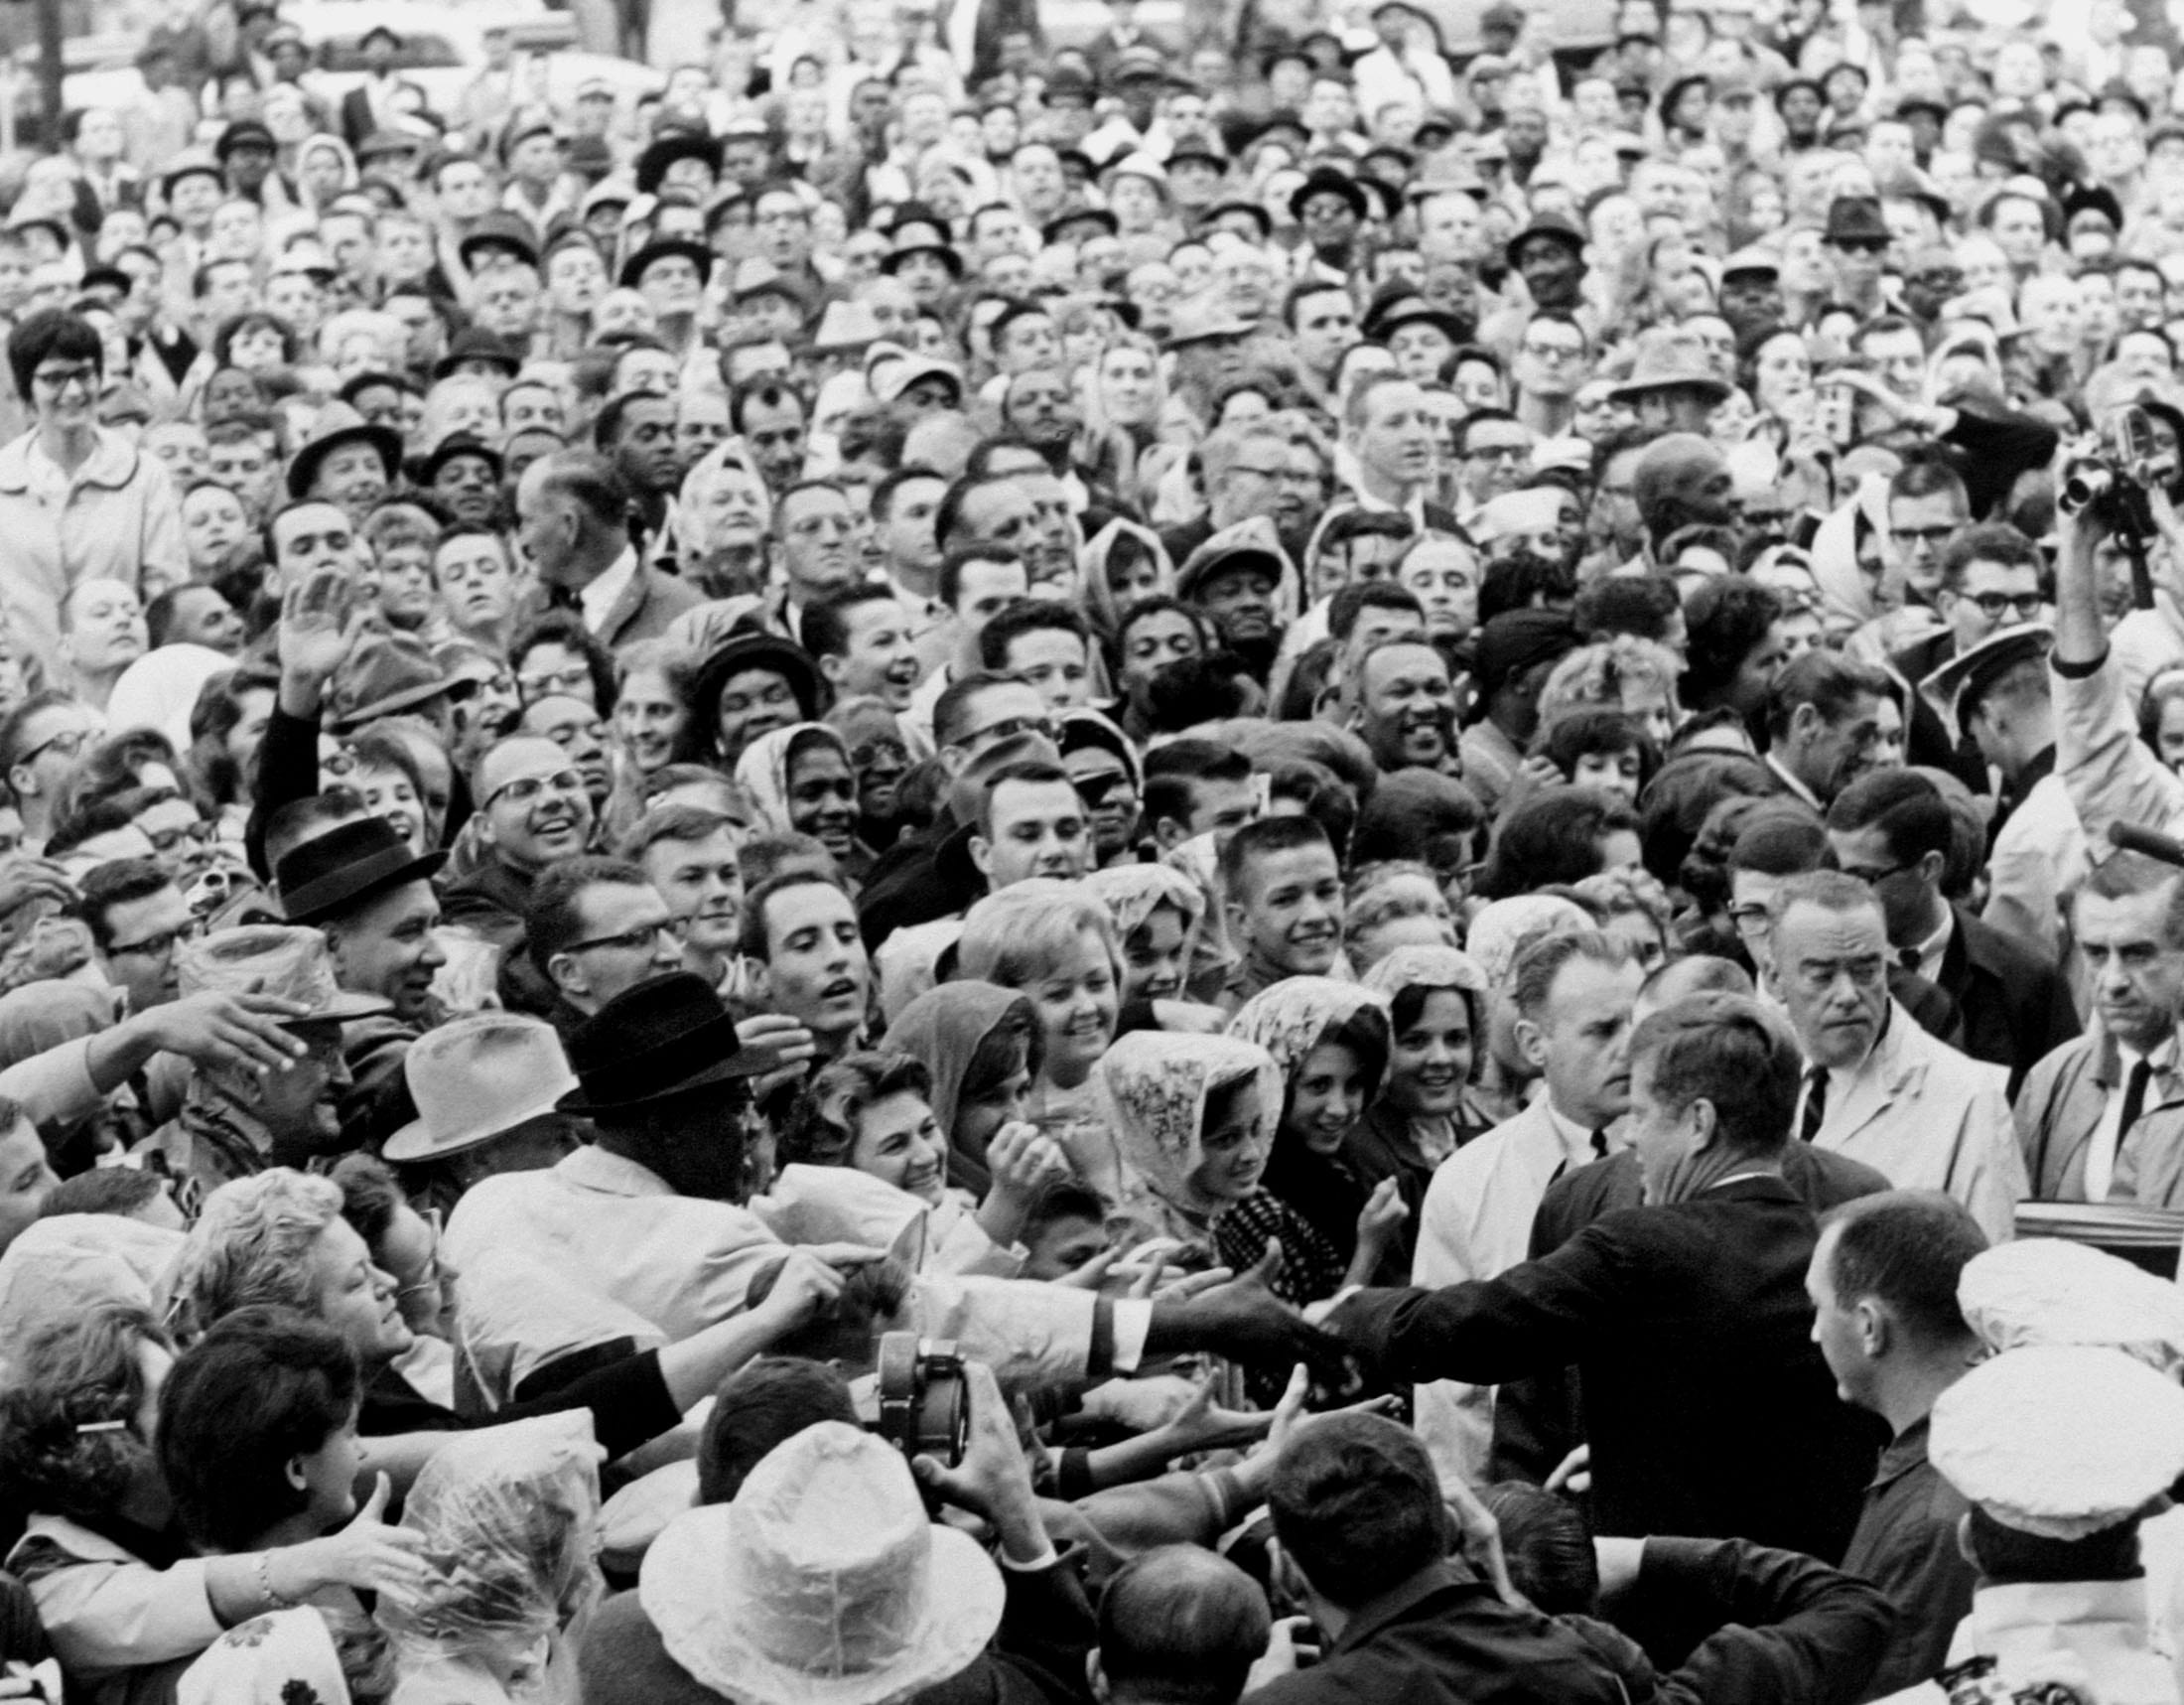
[[680, 1587]]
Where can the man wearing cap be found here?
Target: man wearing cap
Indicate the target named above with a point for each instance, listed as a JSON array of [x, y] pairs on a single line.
[[373, 899], [1548, 254], [237, 1121]]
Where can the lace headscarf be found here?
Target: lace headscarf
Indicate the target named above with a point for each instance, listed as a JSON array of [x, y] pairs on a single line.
[[1426, 965], [1131, 893], [762, 770], [1155, 1085], [944, 1029]]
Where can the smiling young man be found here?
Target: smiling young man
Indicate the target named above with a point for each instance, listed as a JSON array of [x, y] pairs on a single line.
[[861, 638], [689, 854], [1031, 823], [1403, 707], [1044, 643], [1285, 903]]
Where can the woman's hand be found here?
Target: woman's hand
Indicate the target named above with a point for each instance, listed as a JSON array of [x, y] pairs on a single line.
[[1384, 1213], [1023, 1164], [1202, 1425], [368, 1555]]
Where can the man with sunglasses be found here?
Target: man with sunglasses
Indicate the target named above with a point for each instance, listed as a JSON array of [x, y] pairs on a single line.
[[532, 810]]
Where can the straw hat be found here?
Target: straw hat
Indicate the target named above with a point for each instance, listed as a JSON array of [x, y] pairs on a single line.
[[824, 1583], [476, 1078], [292, 963]]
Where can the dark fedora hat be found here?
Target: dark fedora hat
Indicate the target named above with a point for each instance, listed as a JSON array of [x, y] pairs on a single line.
[[660, 1040], [667, 148], [424, 470], [500, 229], [341, 426], [1855, 218], [771, 651], [666, 248], [349, 863], [475, 343]]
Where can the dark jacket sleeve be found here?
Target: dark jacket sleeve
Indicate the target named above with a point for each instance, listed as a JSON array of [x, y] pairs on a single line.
[[627, 1397], [1995, 450], [1538, 1420], [1485, 1332], [288, 769], [1785, 1629], [1046, 1628]]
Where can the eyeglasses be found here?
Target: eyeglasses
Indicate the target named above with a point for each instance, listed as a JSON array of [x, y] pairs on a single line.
[[160, 945], [1874, 878], [1007, 728], [633, 941], [528, 787], [68, 744], [1553, 351], [572, 680], [58, 379], [2007, 606]]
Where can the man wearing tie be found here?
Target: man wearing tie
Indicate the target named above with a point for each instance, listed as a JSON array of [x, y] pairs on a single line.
[[1876, 1086], [2102, 1118], [1573, 993]]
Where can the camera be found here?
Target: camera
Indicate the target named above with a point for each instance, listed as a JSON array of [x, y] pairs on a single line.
[[2114, 481], [924, 1399]]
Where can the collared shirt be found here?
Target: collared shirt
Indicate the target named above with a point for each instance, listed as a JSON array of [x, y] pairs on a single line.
[[2108, 1134], [1794, 784], [1931, 950], [597, 600]]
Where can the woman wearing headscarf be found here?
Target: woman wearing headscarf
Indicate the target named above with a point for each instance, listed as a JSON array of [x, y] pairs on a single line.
[[1436, 1007], [800, 780], [981, 1044], [1122, 562], [325, 170], [1157, 910], [724, 517], [1329, 1040], [1194, 1119]]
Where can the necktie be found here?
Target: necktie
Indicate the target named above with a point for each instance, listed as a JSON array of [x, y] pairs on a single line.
[[2103, 1155], [2134, 1100], [562, 597], [1599, 1144], [1816, 1102], [1910, 958]]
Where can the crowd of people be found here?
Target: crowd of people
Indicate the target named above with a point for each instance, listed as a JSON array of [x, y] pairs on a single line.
[[1259, 858]]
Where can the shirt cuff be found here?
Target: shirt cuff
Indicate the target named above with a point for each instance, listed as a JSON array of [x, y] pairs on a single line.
[[2071, 672], [1133, 1317]]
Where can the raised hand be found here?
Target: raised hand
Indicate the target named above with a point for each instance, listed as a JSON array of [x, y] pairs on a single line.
[[321, 616]]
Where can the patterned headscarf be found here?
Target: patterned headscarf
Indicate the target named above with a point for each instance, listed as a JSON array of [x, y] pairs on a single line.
[[1288, 1019], [1156, 1083], [762, 770], [1423, 966], [1131, 893]]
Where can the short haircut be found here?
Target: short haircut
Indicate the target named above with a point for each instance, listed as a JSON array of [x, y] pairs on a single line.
[[263, 1386], [756, 943], [1028, 616], [1828, 681], [1032, 771], [948, 519], [1357, 1506], [952, 709], [92, 819], [1731, 1051], [1533, 974], [553, 918], [768, 391], [1906, 1249], [1993, 542], [1547, 1545], [15, 739], [1171, 769], [822, 1127], [883, 494], [1553, 837], [1928, 476], [116, 1190], [607, 427], [288, 826], [118, 882], [1643, 605], [759, 1406], [589, 480], [1903, 805], [1725, 618], [1350, 602], [1182, 1624], [1829, 890], [956, 558], [685, 823], [827, 619], [1262, 839]]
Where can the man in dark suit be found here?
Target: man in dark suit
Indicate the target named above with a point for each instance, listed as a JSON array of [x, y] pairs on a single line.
[[1687, 1318], [1892, 831], [1989, 580]]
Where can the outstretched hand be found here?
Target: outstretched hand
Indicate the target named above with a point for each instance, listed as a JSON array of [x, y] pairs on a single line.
[[1243, 1319]]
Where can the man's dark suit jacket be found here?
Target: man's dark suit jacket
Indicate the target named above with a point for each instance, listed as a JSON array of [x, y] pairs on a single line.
[[1928, 739], [1441, 1639], [1539, 1421], [1710, 1410], [2016, 1007]]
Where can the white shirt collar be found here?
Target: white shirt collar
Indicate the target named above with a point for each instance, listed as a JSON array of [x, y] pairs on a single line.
[[597, 599]]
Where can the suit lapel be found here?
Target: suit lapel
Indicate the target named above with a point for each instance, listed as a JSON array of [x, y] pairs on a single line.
[[1892, 1070], [624, 609]]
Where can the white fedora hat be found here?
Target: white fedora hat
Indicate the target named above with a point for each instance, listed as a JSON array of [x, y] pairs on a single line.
[[825, 1582], [476, 1076]]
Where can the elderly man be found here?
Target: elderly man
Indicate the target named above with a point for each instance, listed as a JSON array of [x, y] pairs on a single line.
[[1829, 720], [572, 512], [1684, 1440], [1877, 1087]]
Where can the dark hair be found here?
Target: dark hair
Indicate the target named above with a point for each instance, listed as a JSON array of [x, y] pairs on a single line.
[[1016, 1042], [1519, 578], [219, 710], [566, 629], [1585, 733], [98, 818], [1642, 604], [827, 619], [262, 1386], [1350, 602], [758, 1407], [761, 858], [1552, 838], [15, 729], [1356, 1507], [1181, 1624], [1548, 1547], [767, 389], [757, 944], [116, 1190], [883, 494], [1907, 1249], [1170, 770], [52, 332], [1028, 616], [117, 883], [1993, 542], [1828, 681], [81, 1370], [1904, 805], [1263, 838], [1732, 1051], [1154, 604], [948, 587], [257, 320], [552, 918], [1209, 687], [370, 1196], [821, 1129], [1319, 793], [288, 826], [1726, 617]]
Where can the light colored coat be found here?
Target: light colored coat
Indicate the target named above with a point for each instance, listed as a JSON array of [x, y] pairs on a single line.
[[2039, 859], [2099, 1626], [2111, 776], [120, 521], [1930, 1118], [2059, 1108]]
